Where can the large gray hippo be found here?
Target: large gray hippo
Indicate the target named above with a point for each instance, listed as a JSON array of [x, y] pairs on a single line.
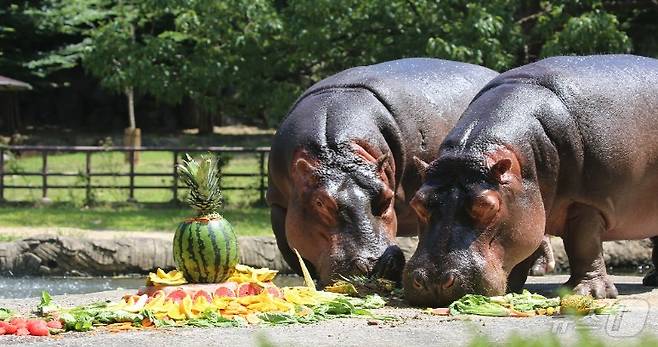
[[341, 169], [566, 146]]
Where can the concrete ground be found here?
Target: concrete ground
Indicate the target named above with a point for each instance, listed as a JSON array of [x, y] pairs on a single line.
[[412, 328]]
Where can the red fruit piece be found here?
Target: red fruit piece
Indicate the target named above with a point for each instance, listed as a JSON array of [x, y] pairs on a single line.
[[37, 327], [9, 328], [202, 293], [177, 295], [54, 324], [275, 292], [225, 292], [18, 323], [246, 289], [2, 331], [22, 332]]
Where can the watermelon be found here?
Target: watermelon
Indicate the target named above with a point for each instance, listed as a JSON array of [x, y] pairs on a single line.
[[206, 251], [202, 293], [247, 289]]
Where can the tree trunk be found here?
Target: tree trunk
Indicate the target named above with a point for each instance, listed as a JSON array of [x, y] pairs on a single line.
[[132, 136], [205, 121], [131, 108]]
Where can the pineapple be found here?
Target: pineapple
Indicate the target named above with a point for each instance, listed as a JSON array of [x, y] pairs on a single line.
[[202, 178]]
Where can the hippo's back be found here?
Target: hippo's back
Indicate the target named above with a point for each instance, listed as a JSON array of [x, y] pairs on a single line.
[[414, 87], [612, 97], [611, 104]]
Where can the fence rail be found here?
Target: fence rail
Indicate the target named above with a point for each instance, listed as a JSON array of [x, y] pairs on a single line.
[[130, 152]]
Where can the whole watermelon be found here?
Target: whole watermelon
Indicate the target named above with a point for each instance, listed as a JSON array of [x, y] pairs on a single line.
[[206, 251]]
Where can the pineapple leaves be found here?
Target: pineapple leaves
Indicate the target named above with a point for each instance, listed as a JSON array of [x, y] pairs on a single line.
[[203, 177]]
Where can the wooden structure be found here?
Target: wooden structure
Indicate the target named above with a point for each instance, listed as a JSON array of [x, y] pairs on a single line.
[[176, 153], [9, 110]]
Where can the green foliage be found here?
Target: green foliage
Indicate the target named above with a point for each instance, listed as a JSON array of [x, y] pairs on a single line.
[[255, 57], [590, 33]]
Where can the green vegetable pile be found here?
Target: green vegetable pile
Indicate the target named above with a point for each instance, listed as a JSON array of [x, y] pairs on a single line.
[[527, 304]]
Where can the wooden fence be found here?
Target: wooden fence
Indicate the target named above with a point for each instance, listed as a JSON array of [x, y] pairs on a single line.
[[130, 152]]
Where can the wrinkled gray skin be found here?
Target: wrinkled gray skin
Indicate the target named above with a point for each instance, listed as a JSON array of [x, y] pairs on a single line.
[[566, 146], [394, 111]]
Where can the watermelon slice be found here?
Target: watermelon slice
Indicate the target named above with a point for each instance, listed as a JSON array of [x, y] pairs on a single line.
[[224, 292], [246, 289], [274, 291], [204, 294], [177, 295]]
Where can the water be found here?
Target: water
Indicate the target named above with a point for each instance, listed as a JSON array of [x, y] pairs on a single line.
[[30, 287]]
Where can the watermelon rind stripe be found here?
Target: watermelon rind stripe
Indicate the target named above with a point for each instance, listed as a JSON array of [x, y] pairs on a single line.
[[213, 242], [179, 242], [191, 257], [209, 253], [223, 252], [227, 243], [203, 273]]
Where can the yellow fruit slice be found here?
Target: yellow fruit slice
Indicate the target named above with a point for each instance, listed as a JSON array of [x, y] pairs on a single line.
[[162, 278], [174, 310]]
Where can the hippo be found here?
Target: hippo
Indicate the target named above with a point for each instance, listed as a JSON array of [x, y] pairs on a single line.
[[566, 146], [341, 168]]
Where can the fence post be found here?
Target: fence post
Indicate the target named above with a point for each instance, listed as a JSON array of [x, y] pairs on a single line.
[[2, 174], [131, 194], [44, 176], [261, 188], [88, 177], [174, 185]]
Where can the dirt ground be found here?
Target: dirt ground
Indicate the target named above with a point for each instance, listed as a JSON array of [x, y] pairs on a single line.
[[412, 328]]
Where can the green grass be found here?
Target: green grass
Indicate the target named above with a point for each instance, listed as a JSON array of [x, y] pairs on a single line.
[[247, 221], [113, 162]]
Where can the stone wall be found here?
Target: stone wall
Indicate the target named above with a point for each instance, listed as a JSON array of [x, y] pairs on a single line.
[[66, 255]]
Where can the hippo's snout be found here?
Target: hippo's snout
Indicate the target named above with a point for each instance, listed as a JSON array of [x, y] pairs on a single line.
[[423, 288], [390, 264]]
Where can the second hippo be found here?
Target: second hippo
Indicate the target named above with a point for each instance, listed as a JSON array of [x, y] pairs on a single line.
[[566, 146]]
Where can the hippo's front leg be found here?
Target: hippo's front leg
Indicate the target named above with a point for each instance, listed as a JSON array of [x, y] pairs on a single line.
[[582, 242], [651, 279], [545, 262]]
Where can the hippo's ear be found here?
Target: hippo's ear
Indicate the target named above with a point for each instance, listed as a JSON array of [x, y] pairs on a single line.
[[303, 173], [500, 170], [421, 166]]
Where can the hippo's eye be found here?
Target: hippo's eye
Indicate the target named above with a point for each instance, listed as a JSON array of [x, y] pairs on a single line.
[[382, 203]]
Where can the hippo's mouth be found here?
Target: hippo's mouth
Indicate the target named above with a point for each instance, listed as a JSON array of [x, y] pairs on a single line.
[[390, 264]]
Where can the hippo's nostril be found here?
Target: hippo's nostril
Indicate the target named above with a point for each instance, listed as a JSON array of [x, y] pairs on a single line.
[[419, 281], [448, 280]]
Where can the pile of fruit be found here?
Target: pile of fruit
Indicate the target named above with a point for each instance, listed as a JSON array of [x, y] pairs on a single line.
[[247, 297], [34, 327]]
